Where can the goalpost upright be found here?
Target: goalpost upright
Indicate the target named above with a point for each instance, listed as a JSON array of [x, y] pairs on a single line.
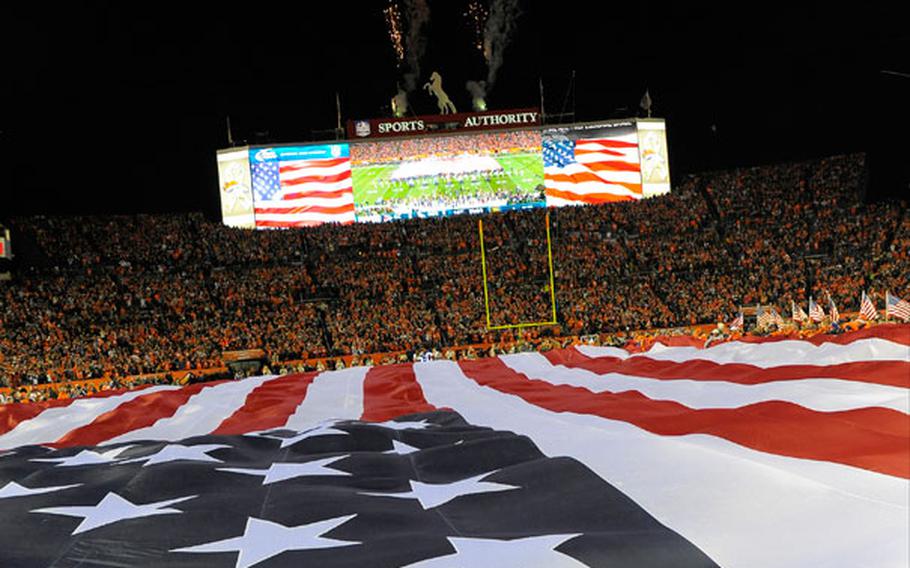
[[486, 292]]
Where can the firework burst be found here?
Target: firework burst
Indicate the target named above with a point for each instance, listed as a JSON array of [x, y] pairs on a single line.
[[393, 21], [477, 14]]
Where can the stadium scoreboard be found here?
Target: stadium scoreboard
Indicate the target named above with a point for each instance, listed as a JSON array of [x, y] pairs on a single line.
[[5, 251], [443, 165]]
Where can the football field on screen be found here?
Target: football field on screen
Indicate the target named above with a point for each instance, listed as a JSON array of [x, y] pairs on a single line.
[[372, 183]]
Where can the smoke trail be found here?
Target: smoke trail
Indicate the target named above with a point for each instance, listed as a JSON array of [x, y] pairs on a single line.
[[497, 34], [400, 103], [418, 14], [478, 90]]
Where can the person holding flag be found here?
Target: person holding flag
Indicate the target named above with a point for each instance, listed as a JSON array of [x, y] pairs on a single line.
[[776, 318], [737, 323], [833, 313], [762, 317], [816, 313], [799, 316], [896, 307], [867, 309]]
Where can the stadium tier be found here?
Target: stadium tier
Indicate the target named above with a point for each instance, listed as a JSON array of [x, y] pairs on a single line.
[[95, 297]]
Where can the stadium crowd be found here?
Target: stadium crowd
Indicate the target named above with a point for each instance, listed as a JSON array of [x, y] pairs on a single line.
[[484, 143], [119, 296]]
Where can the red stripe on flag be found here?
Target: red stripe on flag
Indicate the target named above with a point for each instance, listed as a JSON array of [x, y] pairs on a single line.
[[391, 391], [599, 151], [890, 373], [896, 333], [12, 414], [589, 198], [318, 179], [608, 142], [875, 439], [330, 194], [268, 406], [581, 177], [346, 208], [304, 164], [311, 223], [612, 166], [138, 413]]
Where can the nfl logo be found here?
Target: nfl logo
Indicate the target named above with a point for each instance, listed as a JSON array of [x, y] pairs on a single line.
[[362, 128]]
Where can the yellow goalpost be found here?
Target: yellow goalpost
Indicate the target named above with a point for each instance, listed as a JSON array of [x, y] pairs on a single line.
[[486, 293]]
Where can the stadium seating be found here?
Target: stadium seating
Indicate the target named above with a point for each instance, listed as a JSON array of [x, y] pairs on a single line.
[[124, 295]]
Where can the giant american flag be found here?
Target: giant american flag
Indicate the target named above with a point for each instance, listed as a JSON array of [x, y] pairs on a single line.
[[760, 452], [600, 167], [299, 186]]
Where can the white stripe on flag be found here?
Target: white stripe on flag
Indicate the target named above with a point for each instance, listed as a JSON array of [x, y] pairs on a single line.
[[592, 187], [744, 508], [312, 171], [310, 201], [597, 157], [825, 395], [631, 138], [772, 354], [54, 423], [316, 187], [336, 394], [202, 413], [630, 154], [616, 176]]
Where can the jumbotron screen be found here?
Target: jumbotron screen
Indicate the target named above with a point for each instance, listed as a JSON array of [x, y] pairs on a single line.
[[429, 176], [444, 175]]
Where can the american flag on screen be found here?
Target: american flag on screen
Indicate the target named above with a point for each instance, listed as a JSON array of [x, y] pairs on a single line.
[[302, 186], [599, 169]]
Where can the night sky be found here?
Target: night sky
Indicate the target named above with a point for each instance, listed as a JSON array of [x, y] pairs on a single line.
[[113, 107]]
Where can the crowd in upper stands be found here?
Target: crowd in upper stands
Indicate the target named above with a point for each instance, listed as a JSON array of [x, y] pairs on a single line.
[[119, 296], [486, 143]]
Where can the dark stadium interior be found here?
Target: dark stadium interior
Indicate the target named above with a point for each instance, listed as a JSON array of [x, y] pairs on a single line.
[[128, 104]]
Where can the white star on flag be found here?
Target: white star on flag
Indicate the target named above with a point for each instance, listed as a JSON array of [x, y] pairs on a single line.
[[113, 508], [518, 553], [13, 489], [178, 452], [321, 430], [264, 539], [283, 471], [433, 495], [391, 424], [86, 457], [401, 448]]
